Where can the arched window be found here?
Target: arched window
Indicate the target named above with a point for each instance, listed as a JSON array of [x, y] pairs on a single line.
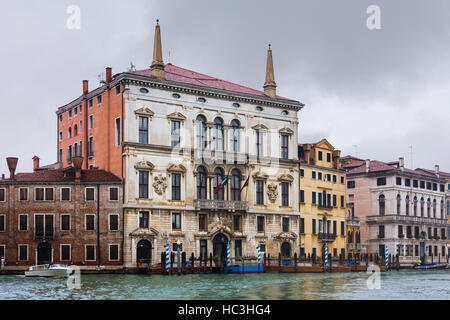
[[235, 135], [428, 207], [399, 200], [218, 134], [235, 185], [218, 178], [448, 207], [422, 205], [75, 131], [407, 205], [70, 133], [382, 205], [442, 209], [434, 208], [201, 132], [415, 206], [201, 183], [350, 237], [358, 237]]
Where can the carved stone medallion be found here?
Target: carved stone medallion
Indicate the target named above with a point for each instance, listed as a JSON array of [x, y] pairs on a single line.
[[160, 184], [272, 192]]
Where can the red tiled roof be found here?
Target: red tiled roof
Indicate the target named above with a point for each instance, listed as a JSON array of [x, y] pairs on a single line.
[[178, 74], [432, 172]]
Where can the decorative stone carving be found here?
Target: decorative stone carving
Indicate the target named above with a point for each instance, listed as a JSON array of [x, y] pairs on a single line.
[[259, 175], [144, 233], [160, 184], [285, 236], [272, 192], [286, 130], [260, 127], [176, 116], [145, 112], [144, 165], [176, 168], [286, 178]]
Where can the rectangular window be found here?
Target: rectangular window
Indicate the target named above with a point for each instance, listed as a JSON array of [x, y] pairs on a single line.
[[23, 222], [91, 103], [65, 252], [43, 194], [259, 143], [342, 228], [238, 248], [91, 147], [203, 249], [176, 186], [143, 219], [259, 192], [342, 180], [23, 252], [23, 194], [302, 196], [118, 132], [320, 155], [99, 100], [422, 184], [319, 176], [117, 90], [314, 200], [335, 227], [381, 181], [202, 225], [113, 194], [143, 130], [415, 183], [89, 194], [2, 223], [65, 222], [428, 185], [328, 157], [313, 174], [175, 133], [176, 221], [65, 194], [91, 121], [60, 159], [90, 222], [262, 247], [285, 224], [334, 178], [90, 252], [284, 147], [302, 225], [398, 181], [113, 252], [407, 182], [285, 194], [334, 200], [302, 173], [342, 202], [143, 184], [114, 222], [350, 184], [313, 230], [260, 223], [237, 223], [380, 231]]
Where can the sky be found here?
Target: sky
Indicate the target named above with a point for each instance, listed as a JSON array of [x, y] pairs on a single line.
[[376, 94]]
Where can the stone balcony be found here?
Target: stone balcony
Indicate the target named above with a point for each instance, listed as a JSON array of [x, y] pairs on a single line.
[[221, 205], [353, 223], [327, 237], [407, 220], [354, 246]]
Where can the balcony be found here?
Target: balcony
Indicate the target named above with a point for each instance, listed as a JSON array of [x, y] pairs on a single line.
[[407, 219], [327, 237], [221, 205], [325, 207], [353, 223]]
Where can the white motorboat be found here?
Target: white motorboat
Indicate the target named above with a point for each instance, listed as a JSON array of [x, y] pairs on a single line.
[[48, 270]]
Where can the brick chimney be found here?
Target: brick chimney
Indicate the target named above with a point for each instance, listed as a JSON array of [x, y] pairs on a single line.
[[77, 163], [336, 158], [12, 165], [307, 152], [35, 163], [85, 87], [108, 75], [401, 162]]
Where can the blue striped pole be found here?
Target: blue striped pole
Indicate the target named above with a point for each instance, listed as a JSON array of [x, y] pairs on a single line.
[[326, 255], [387, 255], [228, 255], [167, 255], [259, 253]]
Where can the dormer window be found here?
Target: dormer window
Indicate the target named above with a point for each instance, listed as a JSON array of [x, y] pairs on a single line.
[[285, 113], [143, 90], [236, 105], [176, 96], [259, 108], [201, 100]]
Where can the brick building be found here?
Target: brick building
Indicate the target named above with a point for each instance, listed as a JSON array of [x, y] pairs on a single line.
[[65, 215]]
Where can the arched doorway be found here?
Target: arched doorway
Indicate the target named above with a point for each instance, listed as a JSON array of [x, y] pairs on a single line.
[[144, 252], [44, 253], [220, 243], [286, 250]]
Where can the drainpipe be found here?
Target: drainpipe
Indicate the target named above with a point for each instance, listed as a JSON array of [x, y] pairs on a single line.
[[98, 226]]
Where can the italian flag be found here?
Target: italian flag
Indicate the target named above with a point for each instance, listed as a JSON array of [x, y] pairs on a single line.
[[222, 184]]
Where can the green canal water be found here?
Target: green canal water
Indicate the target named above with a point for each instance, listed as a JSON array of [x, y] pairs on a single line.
[[403, 284]]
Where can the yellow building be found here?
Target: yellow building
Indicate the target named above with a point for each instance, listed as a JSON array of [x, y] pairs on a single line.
[[322, 200]]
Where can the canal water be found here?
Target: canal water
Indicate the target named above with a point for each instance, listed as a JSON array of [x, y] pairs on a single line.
[[403, 284]]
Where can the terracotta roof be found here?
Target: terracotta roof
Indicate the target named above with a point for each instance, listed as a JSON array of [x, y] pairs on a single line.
[[178, 74], [60, 175], [432, 172]]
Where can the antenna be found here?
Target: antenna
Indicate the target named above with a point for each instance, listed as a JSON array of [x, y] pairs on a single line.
[[132, 67], [411, 152], [169, 56], [101, 78]]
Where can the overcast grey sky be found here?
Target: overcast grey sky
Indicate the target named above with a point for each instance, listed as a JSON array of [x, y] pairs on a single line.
[[380, 90]]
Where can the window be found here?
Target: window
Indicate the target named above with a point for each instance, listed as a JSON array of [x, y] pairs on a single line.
[[262, 247], [428, 185], [23, 194], [143, 184], [70, 114], [91, 147], [422, 205], [285, 194], [202, 225], [218, 134], [342, 228], [99, 100], [60, 118], [236, 105], [334, 200], [23, 222], [381, 205], [60, 136], [176, 221], [313, 195], [342, 180], [235, 185], [235, 125], [259, 108], [328, 157], [302, 225], [143, 219], [398, 181], [319, 175], [399, 199], [302, 173], [238, 248], [91, 121], [260, 223], [90, 222], [407, 182], [75, 130], [60, 159], [259, 143], [407, 205], [175, 134], [285, 225], [43, 194], [342, 202], [259, 192], [65, 222], [320, 155], [334, 178], [203, 249], [90, 194], [218, 179], [113, 194], [237, 223], [422, 184], [415, 183], [381, 181], [176, 186], [284, 146], [201, 183], [90, 252], [201, 132], [400, 231], [381, 231], [117, 90], [313, 174], [143, 130], [118, 135], [285, 113], [201, 100], [23, 252], [313, 229], [65, 252], [91, 103], [65, 194], [114, 222], [302, 196], [113, 252], [176, 96]]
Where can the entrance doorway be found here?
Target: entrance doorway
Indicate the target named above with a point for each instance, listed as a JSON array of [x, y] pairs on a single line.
[[220, 243], [144, 252], [44, 253], [286, 250]]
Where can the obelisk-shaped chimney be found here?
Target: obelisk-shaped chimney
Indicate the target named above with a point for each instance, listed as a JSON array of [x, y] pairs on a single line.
[[157, 66], [270, 87]]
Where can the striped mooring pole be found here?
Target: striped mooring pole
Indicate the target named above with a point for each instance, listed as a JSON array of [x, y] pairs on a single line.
[[387, 255], [326, 255], [167, 255], [259, 253], [228, 255]]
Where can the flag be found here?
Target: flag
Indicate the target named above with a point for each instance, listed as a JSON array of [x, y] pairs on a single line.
[[222, 184], [245, 185]]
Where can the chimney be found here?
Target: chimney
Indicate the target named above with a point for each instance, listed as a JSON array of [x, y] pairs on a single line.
[[3, 176], [12, 165], [108, 75], [270, 87], [436, 169], [35, 163], [367, 165], [85, 87], [307, 152], [401, 163], [157, 66], [77, 163], [336, 158]]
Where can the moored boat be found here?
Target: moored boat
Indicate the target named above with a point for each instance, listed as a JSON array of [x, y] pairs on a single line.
[[244, 269], [48, 270], [430, 266]]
